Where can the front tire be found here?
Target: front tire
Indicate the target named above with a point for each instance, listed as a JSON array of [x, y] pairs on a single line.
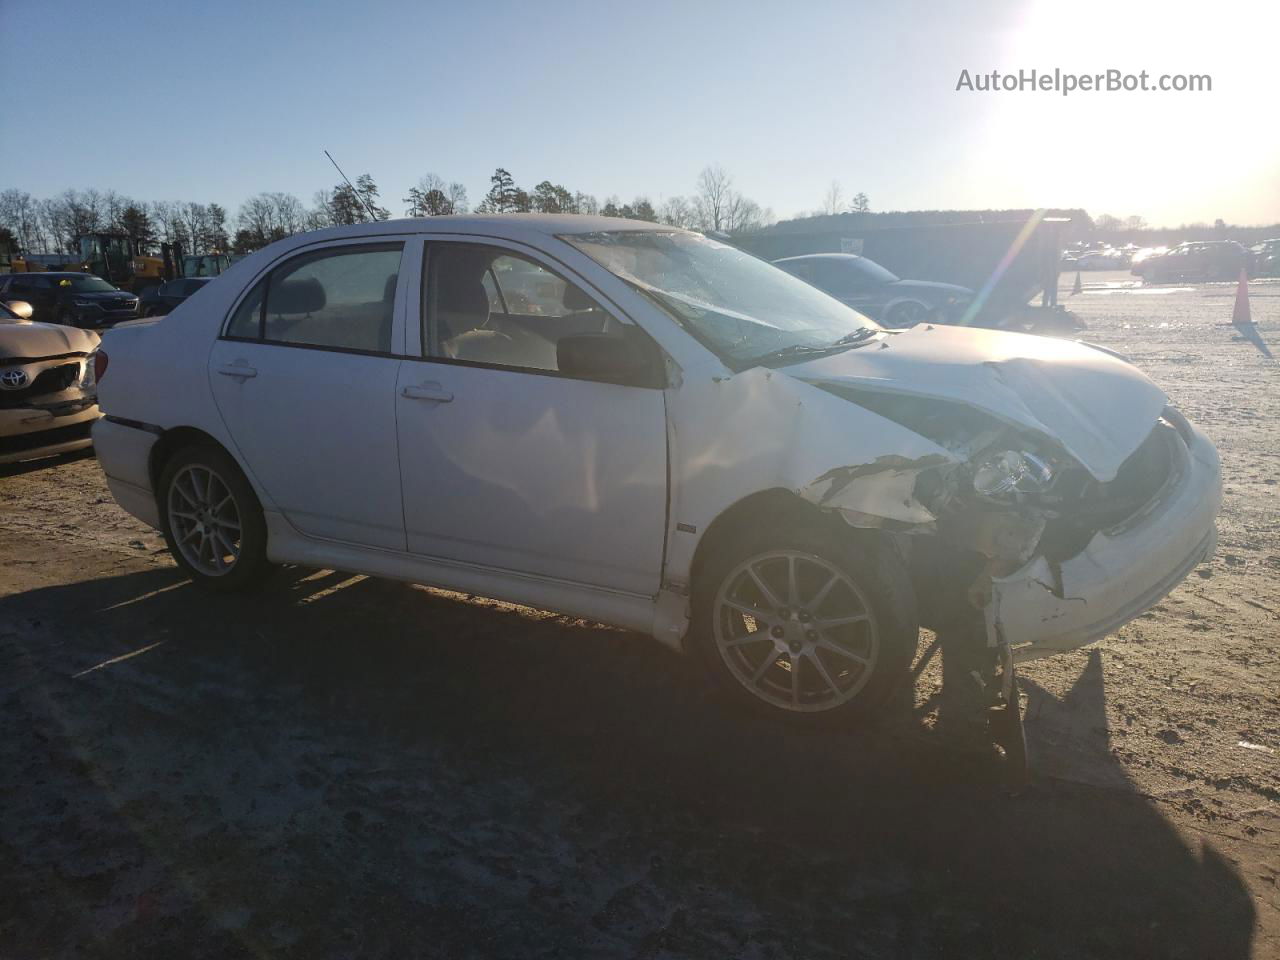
[[805, 624], [212, 521]]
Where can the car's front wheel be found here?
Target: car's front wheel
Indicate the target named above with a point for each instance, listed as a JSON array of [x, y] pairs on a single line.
[[212, 520], [806, 624]]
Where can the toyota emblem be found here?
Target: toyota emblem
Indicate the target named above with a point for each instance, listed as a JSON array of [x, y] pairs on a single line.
[[13, 379]]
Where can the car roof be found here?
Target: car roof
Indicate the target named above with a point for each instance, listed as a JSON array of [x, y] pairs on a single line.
[[513, 226]]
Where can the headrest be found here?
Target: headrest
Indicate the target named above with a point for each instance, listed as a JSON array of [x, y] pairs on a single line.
[[296, 296], [575, 299], [464, 296], [389, 288]]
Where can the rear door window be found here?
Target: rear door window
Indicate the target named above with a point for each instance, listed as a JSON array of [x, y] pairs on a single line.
[[339, 297]]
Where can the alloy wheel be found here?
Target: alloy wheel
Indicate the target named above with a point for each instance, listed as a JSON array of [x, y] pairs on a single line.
[[204, 519], [796, 631]]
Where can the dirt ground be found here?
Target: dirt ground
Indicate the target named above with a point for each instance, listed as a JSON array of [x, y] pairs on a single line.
[[340, 766]]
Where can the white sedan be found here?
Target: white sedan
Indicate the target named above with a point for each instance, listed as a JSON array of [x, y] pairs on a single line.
[[644, 427]]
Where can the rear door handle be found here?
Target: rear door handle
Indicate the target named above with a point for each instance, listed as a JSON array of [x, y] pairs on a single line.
[[241, 369], [432, 392]]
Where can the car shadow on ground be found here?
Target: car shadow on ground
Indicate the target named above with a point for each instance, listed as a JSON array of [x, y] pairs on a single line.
[[340, 766]]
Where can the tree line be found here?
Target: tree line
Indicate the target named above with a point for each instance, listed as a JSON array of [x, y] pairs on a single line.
[[53, 224]]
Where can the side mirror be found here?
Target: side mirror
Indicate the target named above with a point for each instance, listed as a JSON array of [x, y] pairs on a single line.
[[630, 359], [21, 308]]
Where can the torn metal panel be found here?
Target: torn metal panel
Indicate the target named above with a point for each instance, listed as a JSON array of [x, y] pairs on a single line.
[[876, 494]]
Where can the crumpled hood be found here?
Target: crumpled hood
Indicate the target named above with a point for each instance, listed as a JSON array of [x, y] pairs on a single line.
[[1098, 407], [25, 339]]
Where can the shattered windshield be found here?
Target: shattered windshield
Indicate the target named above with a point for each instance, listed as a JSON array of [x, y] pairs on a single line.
[[745, 310]]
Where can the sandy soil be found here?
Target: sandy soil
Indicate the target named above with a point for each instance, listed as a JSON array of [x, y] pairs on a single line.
[[340, 766]]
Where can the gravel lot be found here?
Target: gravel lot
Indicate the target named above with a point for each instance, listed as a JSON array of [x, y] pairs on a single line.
[[339, 766]]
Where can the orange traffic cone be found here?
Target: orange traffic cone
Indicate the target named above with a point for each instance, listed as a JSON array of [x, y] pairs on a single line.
[[1079, 286], [1241, 318]]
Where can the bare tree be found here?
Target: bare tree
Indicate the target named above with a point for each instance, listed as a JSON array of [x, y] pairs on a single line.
[[833, 199], [168, 218], [457, 196], [678, 212], [320, 215], [20, 213], [718, 207], [861, 203], [195, 218], [432, 197], [715, 194]]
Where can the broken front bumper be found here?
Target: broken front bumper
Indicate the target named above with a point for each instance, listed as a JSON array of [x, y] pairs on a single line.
[[27, 433], [1045, 607]]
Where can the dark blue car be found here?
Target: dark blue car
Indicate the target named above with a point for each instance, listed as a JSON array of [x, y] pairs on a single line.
[[72, 299], [878, 293], [160, 300]]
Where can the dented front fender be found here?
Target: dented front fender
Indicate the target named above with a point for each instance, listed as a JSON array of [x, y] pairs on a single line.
[[734, 436]]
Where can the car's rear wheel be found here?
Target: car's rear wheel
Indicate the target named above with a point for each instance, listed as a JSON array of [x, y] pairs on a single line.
[[212, 520], [803, 624], [906, 314]]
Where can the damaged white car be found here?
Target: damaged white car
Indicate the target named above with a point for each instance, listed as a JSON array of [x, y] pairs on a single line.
[[643, 427], [47, 399]]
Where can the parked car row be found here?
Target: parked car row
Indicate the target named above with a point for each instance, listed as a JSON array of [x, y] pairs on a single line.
[[1102, 258], [69, 298], [1198, 261], [1191, 262], [83, 300]]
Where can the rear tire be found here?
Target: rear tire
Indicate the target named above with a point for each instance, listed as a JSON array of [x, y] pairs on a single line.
[[804, 623], [906, 314], [212, 520]]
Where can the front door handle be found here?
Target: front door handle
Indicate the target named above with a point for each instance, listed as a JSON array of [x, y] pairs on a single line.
[[238, 369], [431, 391]]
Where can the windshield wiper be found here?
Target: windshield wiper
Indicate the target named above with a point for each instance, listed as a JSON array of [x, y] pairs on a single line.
[[796, 350], [851, 339], [861, 335]]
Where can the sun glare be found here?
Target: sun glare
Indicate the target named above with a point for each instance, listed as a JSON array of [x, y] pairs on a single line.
[[1167, 156]]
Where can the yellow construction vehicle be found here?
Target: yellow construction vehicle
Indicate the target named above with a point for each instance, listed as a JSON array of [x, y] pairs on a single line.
[[116, 258]]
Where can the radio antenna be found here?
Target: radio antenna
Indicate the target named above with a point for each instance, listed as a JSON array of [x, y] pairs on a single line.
[[372, 216]]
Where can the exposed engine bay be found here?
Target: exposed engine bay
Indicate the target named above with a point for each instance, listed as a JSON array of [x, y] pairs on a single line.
[[1009, 495]]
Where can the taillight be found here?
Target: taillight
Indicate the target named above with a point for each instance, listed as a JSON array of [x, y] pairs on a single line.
[[99, 365]]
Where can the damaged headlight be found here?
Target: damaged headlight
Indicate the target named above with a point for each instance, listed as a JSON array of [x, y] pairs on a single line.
[[1011, 472], [88, 377]]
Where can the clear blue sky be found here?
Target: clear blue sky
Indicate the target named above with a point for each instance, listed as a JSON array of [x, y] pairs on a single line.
[[215, 101]]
